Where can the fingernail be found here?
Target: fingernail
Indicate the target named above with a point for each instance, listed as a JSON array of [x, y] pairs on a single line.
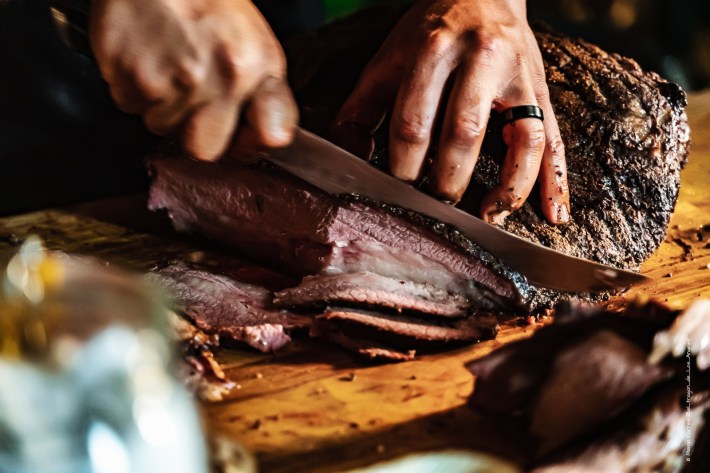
[[276, 124], [562, 213]]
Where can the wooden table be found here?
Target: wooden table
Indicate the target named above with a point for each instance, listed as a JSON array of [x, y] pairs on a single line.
[[315, 407]]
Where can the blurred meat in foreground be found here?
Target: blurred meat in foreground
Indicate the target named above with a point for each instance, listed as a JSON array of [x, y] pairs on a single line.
[[601, 391]]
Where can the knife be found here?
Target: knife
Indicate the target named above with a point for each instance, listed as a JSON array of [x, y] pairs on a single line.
[[336, 171]]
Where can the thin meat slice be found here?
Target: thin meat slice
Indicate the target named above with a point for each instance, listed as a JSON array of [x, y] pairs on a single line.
[[231, 309], [370, 349], [408, 331], [372, 290]]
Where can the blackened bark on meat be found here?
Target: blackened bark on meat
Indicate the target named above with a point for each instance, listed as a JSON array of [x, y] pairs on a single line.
[[626, 140]]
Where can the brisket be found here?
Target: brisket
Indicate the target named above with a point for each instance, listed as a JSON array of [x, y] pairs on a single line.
[[626, 138], [397, 329], [288, 223], [372, 289], [393, 336], [614, 377], [230, 309], [367, 348], [652, 438]]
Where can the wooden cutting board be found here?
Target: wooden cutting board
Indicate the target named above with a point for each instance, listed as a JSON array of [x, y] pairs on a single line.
[[315, 407]]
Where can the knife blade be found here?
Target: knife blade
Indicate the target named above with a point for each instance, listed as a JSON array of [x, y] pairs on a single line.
[[337, 172]]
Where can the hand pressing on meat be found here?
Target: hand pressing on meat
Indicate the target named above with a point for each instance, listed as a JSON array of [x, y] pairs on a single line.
[[205, 68], [488, 54]]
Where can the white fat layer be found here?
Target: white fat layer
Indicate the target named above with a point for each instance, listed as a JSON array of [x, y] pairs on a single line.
[[374, 257]]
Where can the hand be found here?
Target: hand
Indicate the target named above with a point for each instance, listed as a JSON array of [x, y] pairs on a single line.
[[689, 334], [199, 66], [488, 51]]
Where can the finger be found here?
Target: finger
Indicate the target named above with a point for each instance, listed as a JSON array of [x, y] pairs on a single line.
[[363, 111], [526, 142], [209, 129], [554, 190], [124, 89], [136, 86], [126, 95], [273, 106], [272, 114], [415, 110], [467, 114], [245, 146], [165, 116]]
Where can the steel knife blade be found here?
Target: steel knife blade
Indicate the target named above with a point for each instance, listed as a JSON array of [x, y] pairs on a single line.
[[337, 172]]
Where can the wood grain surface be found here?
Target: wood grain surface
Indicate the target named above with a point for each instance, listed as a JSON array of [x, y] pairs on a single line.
[[315, 407]]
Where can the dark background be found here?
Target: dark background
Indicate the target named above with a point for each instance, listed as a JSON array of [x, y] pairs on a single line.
[[62, 141]]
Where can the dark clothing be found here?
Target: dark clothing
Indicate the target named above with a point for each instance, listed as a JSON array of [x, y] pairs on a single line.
[[62, 139]]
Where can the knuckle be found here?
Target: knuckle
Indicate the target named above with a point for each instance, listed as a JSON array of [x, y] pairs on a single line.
[[535, 140], [556, 148], [243, 71], [105, 44], [439, 44], [231, 73], [445, 191], [517, 62], [411, 129], [489, 44], [511, 198], [190, 74], [540, 80], [149, 84], [232, 66], [466, 131]]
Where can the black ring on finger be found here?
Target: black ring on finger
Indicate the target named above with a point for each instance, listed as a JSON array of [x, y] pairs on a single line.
[[523, 111]]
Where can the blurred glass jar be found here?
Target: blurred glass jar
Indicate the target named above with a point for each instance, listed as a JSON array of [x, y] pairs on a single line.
[[86, 378]]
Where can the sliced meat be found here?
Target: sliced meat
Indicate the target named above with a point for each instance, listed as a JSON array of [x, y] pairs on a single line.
[[231, 309], [372, 290], [626, 139], [654, 439], [591, 375], [368, 348], [282, 220], [407, 331], [609, 369], [199, 369]]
